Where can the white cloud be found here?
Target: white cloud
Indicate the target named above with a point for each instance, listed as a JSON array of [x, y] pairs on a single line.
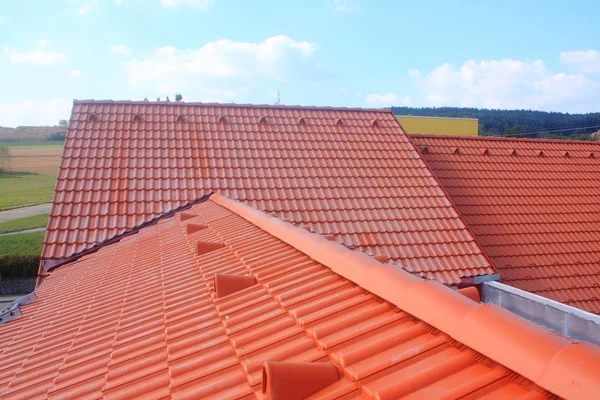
[[43, 42], [2, 17], [224, 68], [120, 49], [31, 112], [199, 4], [77, 74], [506, 84], [346, 6], [587, 61], [388, 99], [87, 8], [34, 57]]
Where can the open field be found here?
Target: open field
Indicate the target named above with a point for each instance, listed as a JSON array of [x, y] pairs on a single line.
[[31, 133], [32, 169], [21, 189], [34, 158], [35, 221], [34, 143], [19, 254]]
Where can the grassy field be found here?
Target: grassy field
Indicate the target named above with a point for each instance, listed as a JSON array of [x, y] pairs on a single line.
[[22, 244], [34, 159], [19, 254], [35, 221], [33, 169], [21, 189]]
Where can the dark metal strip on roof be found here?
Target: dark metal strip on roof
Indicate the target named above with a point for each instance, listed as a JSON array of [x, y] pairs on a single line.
[[51, 264]]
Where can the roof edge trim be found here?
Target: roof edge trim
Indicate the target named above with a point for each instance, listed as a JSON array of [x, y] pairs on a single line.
[[502, 139], [487, 329], [231, 105]]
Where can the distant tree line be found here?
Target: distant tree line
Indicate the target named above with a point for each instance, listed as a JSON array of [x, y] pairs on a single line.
[[57, 136], [516, 123]]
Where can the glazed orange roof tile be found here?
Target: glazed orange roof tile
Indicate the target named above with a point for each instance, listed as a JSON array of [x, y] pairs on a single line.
[[223, 301], [350, 173], [533, 205]]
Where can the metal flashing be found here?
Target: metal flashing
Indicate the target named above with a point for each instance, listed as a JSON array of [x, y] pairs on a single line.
[[486, 278], [566, 320], [10, 314], [14, 310]]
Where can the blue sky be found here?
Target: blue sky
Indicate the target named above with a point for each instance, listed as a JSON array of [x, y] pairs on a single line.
[[493, 54]]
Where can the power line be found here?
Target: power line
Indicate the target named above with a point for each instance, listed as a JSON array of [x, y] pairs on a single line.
[[552, 131]]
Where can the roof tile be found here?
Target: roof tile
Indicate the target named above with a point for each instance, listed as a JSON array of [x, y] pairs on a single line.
[[139, 318], [365, 183], [535, 217]]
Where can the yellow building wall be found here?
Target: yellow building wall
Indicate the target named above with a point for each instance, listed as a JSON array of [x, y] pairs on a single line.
[[439, 126]]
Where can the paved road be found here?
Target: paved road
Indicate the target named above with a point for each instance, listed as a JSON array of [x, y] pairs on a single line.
[[24, 231], [23, 212]]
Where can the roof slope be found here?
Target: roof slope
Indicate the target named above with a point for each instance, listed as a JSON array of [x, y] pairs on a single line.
[[139, 318], [534, 207], [350, 173]]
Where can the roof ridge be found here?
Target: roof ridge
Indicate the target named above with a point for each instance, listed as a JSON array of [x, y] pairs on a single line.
[[502, 139], [557, 364], [232, 105]]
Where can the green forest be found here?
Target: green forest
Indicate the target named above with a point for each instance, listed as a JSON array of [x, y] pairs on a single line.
[[517, 123]]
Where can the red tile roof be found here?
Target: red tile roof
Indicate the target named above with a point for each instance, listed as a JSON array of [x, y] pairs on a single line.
[[534, 207], [139, 319], [350, 173]]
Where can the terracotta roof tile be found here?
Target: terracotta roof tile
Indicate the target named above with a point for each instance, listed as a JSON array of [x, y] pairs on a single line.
[[362, 182], [139, 318], [535, 215]]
